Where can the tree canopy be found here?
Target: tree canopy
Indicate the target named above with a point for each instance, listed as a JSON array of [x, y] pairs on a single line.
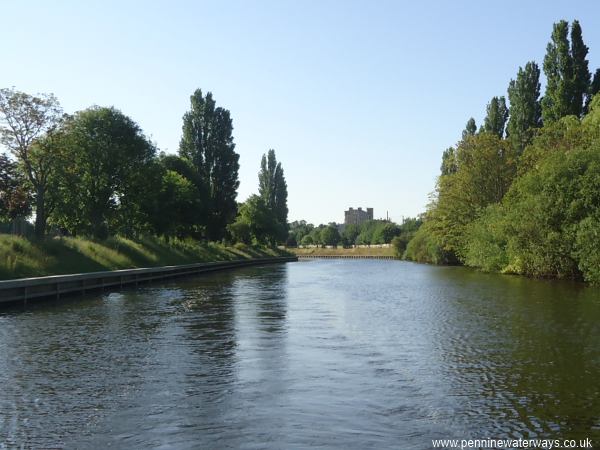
[[207, 143]]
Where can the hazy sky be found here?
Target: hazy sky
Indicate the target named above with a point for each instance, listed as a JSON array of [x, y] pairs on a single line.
[[359, 99]]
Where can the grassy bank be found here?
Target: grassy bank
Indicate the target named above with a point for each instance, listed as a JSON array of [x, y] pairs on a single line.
[[372, 251], [20, 257]]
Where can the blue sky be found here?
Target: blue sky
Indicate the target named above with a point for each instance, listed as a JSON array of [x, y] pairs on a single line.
[[358, 98]]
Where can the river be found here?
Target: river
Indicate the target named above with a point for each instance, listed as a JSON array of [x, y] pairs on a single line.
[[325, 353]]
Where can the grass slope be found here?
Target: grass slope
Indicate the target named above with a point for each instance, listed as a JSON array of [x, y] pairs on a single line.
[[21, 258]]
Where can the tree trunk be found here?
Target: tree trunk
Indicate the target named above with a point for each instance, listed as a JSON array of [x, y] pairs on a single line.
[[40, 215]]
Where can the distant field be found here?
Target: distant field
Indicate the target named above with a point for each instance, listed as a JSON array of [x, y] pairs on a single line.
[[373, 251], [20, 257]]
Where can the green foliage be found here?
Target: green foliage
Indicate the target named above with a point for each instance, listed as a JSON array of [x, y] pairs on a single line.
[[15, 200], [593, 90], [581, 72], [470, 128], [207, 144], [384, 233], [307, 240], [426, 247], [525, 107], [315, 235], [350, 233], [257, 221], [587, 248], [173, 209], [449, 165], [567, 74], [562, 136], [487, 241], [241, 231], [330, 235], [298, 230], [497, 115], [407, 231], [544, 227], [530, 203], [263, 217], [104, 177], [24, 120], [486, 167], [272, 186]]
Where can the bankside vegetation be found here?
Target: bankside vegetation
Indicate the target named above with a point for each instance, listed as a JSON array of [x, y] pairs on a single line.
[[372, 232], [521, 194], [95, 174]]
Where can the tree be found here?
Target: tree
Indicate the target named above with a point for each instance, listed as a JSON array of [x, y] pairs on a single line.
[[207, 143], [190, 222], [388, 231], [567, 73], [307, 240], [449, 160], [594, 88], [470, 129], [106, 178], [497, 114], [330, 235], [14, 198], [256, 219], [272, 186], [558, 67], [25, 120], [315, 235], [350, 233], [173, 207], [240, 231], [486, 169], [525, 108], [581, 72], [299, 229]]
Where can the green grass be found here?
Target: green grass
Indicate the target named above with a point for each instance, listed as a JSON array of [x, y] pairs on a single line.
[[21, 258]]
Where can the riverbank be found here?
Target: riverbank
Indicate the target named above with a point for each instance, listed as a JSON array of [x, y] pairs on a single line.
[[345, 252], [23, 258]]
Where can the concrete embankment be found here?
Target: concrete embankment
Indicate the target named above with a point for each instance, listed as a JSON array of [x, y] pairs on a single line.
[[26, 289]]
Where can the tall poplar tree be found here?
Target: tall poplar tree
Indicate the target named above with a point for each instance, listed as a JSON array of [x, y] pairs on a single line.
[[567, 73], [207, 143], [470, 128], [497, 114], [581, 71], [558, 67], [272, 186], [525, 108], [593, 90]]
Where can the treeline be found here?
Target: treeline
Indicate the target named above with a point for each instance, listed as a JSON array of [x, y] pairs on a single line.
[[521, 194], [371, 232], [95, 173]]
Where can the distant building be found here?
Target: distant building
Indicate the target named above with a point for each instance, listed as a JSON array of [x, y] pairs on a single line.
[[357, 216]]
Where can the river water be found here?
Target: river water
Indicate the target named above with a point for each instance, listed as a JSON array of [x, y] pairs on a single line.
[[325, 353]]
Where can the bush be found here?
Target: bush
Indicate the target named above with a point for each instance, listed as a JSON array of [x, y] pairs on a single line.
[[426, 247]]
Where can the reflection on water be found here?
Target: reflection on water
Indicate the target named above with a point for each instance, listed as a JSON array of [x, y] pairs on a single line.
[[346, 353]]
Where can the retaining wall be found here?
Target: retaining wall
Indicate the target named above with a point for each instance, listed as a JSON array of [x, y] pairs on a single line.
[[25, 289]]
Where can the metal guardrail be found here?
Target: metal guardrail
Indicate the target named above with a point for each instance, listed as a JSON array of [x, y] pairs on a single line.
[[25, 289]]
